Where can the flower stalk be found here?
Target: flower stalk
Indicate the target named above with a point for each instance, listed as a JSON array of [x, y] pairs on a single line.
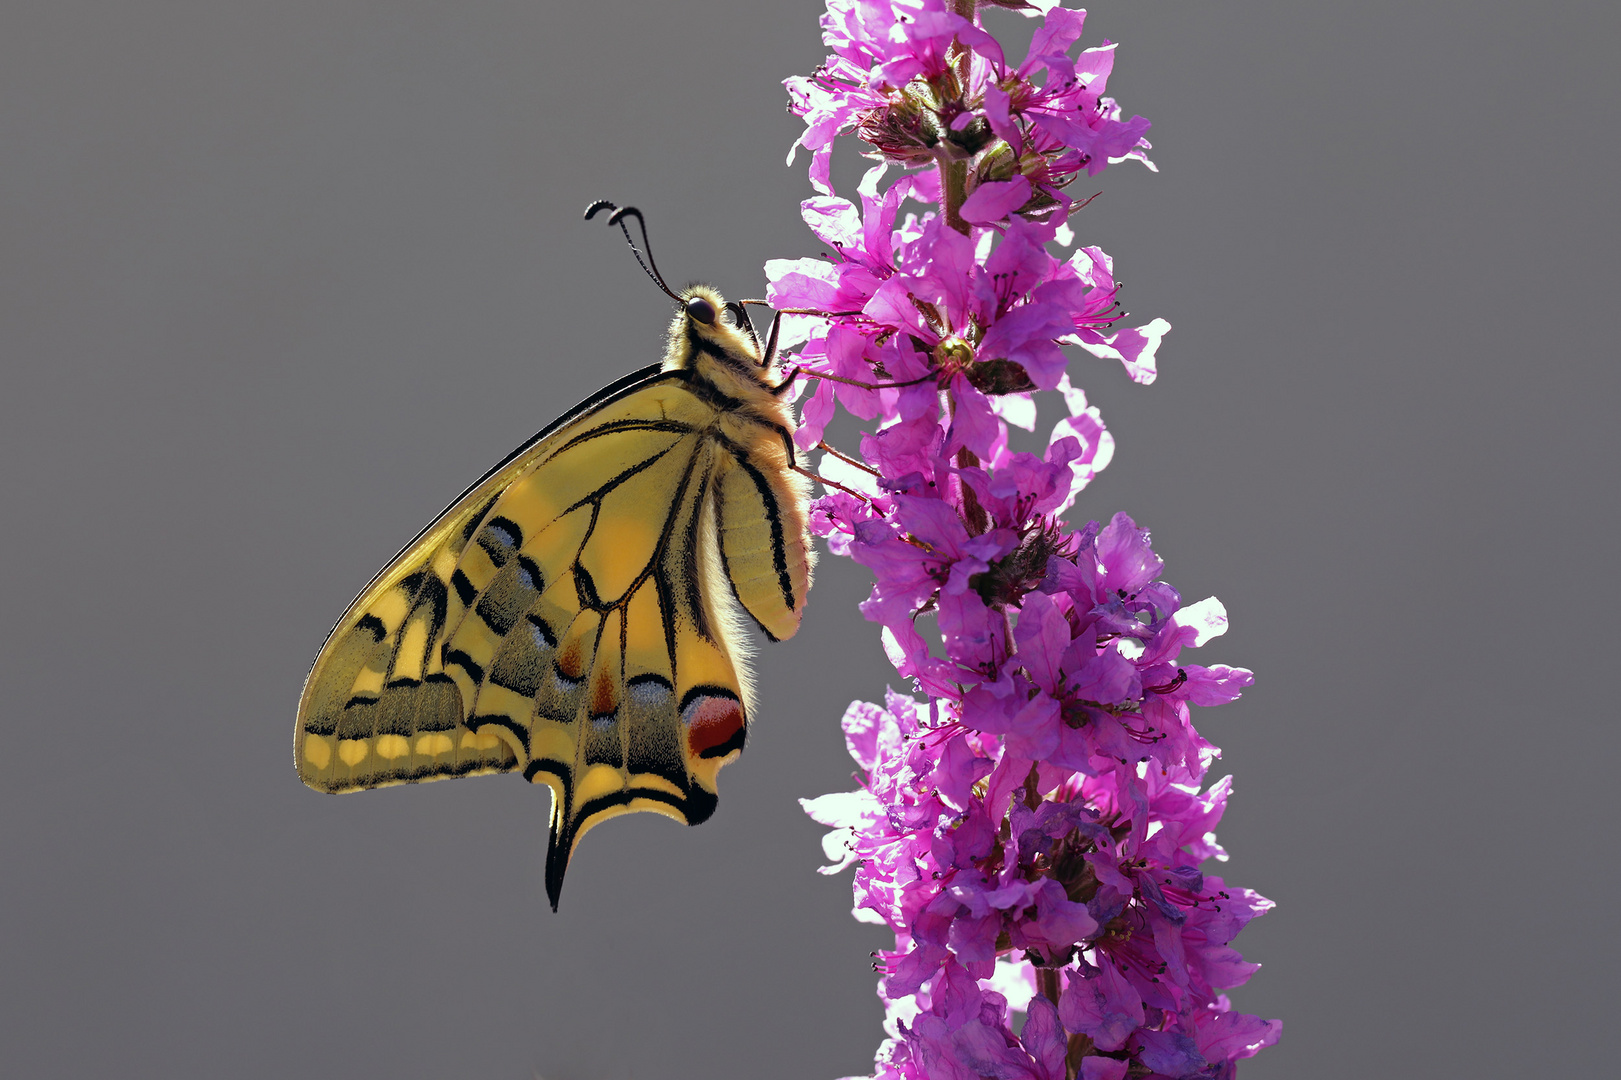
[[954, 171], [1033, 825], [954, 185]]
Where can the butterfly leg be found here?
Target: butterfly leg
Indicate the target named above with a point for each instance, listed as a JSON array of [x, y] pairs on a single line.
[[801, 470], [847, 459], [770, 355], [932, 373]]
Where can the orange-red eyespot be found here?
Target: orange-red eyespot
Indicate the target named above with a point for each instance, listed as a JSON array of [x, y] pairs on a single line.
[[714, 723]]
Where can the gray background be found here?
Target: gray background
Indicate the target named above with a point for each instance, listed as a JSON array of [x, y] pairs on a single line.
[[279, 278]]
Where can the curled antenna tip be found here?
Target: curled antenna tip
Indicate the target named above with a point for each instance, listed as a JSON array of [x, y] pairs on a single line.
[[618, 218]]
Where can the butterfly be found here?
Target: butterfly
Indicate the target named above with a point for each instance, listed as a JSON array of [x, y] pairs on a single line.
[[577, 614]]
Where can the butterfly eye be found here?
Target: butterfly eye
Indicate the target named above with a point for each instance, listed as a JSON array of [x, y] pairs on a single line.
[[702, 310]]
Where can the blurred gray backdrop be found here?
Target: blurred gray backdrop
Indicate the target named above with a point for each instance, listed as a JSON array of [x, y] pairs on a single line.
[[278, 278]]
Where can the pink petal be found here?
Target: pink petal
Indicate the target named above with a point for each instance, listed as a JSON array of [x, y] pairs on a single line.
[[995, 200]]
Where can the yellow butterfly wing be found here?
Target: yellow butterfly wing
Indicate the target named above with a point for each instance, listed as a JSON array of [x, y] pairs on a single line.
[[566, 617]]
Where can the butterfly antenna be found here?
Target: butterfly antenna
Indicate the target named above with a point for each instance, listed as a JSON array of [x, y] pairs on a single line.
[[618, 218]]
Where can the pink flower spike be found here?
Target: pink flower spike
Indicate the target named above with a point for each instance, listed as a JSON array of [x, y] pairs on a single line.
[[1049, 786]]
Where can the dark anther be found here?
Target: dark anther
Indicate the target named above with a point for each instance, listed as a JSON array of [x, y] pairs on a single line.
[[700, 310], [1174, 684]]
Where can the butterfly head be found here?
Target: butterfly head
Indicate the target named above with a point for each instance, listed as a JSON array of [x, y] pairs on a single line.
[[715, 339]]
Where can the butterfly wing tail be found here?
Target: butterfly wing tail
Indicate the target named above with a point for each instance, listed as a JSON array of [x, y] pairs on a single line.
[[657, 776], [565, 835], [559, 847]]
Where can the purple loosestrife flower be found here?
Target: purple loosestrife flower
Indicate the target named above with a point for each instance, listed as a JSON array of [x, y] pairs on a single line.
[[1034, 829]]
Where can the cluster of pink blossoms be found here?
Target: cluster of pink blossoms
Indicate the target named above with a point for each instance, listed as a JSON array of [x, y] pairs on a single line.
[[1033, 831]]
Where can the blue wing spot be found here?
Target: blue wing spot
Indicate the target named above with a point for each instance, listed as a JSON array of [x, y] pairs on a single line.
[[544, 638], [649, 691]]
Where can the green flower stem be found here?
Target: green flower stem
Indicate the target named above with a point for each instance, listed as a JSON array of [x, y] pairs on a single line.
[[1047, 983], [954, 174], [953, 190]]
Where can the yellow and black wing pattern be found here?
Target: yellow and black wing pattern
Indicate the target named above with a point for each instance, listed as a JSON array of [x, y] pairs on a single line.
[[572, 617]]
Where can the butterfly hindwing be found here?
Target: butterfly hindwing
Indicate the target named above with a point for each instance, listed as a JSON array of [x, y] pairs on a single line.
[[558, 620]]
